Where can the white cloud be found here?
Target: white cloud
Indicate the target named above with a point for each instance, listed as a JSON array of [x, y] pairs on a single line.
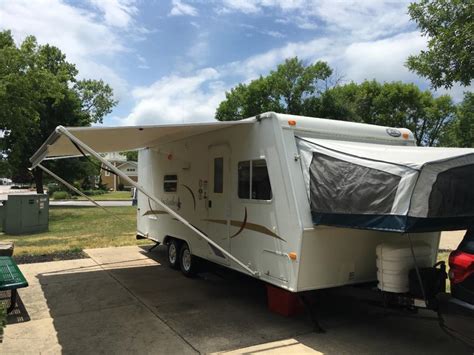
[[254, 6], [87, 41], [181, 9], [195, 97], [275, 34], [176, 99], [262, 63], [362, 40], [117, 13], [199, 51], [367, 19], [75, 31], [362, 19], [142, 62], [381, 59], [244, 6]]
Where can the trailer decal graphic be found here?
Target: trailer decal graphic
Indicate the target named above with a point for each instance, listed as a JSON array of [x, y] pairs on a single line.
[[242, 227], [192, 194], [246, 225]]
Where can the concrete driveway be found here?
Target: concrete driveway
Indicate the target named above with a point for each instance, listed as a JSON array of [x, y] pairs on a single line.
[[123, 300]]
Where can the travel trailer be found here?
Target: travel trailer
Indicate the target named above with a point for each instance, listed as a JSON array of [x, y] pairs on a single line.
[[299, 202]]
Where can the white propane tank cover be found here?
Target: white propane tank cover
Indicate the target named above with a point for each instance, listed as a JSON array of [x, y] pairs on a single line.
[[395, 260]]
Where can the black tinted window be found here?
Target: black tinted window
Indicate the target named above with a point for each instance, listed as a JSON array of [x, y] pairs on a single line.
[[452, 194], [218, 175], [261, 189], [170, 183], [244, 179], [254, 182]]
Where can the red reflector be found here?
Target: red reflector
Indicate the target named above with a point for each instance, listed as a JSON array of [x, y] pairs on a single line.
[[461, 266]]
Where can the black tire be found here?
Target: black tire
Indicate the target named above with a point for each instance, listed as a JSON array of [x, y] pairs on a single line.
[[174, 254], [187, 261]]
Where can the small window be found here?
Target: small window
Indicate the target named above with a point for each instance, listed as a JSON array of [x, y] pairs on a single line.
[[107, 173], [261, 188], [170, 183], [244, 179], [254, 182], [218, 175]]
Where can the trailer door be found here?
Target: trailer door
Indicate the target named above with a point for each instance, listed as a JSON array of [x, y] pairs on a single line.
[[218, 204]]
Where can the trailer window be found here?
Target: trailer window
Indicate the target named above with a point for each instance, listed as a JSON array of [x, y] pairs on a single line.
[[254, 182], [170, 183], [261, 188], [218, 175], [244, 179]]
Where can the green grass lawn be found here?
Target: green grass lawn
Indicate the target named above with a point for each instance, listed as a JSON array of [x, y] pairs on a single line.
[[112, 195], [74, 229]]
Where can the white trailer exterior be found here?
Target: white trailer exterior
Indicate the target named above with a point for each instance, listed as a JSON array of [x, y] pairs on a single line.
[[260, 232], [237, 192]]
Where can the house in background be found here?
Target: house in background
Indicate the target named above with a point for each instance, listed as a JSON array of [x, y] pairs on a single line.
[[129, 168]]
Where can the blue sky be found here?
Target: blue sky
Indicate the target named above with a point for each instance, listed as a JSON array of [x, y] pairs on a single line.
[[171, 61]]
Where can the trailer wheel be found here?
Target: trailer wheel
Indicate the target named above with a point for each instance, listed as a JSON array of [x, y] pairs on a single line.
[[173, 254], [187, 261]]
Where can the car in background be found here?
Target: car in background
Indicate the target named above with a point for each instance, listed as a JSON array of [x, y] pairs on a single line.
[[457, 309], [461, 269]]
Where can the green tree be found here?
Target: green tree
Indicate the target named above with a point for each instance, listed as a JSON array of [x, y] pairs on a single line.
[[5, 170], [283, 90], [449, 25], [393, 104], [131, 155], [460, 132], [39, 90], [298, 89]]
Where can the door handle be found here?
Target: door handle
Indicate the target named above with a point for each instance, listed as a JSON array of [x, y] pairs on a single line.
[[209, 203]]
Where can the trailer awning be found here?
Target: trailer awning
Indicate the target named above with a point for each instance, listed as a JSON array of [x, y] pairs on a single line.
[[385, 187], [118, 139]]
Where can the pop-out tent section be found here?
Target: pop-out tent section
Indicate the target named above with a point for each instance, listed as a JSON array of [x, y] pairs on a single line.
[[387, 187]]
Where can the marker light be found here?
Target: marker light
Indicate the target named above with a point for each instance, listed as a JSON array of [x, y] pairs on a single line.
[[292, 122], [405, 135], [292, 255]]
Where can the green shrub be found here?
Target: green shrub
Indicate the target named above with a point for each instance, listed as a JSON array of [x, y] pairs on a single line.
[[93, 192], [61, 195], [52, 188]]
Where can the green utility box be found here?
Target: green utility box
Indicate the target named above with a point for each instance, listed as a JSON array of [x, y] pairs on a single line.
[[22, 214]]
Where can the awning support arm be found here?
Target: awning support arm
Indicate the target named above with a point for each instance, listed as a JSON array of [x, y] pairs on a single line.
[[73, 188], [140, 188]]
